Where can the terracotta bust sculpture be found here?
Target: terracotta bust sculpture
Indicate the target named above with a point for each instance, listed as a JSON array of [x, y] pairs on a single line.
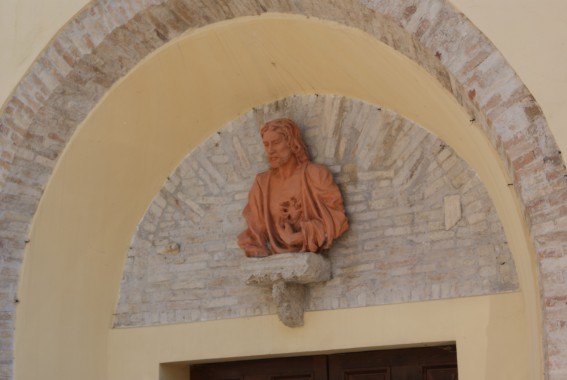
[[295, 206]]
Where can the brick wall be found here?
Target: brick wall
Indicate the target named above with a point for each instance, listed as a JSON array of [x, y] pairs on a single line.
[[422, 224]]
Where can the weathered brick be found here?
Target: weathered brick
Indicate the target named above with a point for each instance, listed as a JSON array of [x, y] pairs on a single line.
[[381, 242]]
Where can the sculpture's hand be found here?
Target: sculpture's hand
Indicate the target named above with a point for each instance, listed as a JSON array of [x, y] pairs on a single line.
[[292, 238]]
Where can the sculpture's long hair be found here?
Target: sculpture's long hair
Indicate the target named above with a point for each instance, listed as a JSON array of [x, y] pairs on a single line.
[[290, 131]]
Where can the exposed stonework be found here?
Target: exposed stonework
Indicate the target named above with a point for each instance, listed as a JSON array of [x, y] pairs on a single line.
[[452, 205], [295, 268], [287, 274], [394, 177], [108, 38], [289, 299]]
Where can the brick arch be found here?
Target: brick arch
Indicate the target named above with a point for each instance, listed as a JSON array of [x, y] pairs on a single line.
[[107, 39]]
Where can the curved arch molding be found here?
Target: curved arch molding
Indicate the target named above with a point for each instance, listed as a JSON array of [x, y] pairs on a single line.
[[104, 42]]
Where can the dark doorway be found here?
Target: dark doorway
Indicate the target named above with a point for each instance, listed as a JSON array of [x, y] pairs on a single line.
[[430, 363]]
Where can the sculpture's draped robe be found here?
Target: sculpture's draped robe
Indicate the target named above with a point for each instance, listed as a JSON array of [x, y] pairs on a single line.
[[322, 218]]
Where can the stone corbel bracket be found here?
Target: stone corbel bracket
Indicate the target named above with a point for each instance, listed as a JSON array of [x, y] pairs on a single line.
[[288, 274]]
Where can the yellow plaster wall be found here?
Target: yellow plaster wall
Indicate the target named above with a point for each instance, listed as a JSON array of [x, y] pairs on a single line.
[[121, 155], [489, 332]]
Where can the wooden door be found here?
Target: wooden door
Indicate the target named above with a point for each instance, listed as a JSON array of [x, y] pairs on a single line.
[[298, 368], [432, 363]]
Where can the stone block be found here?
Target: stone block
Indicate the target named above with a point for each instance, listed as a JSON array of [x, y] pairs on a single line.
[[452, 210], [287, 274], [296, 268]]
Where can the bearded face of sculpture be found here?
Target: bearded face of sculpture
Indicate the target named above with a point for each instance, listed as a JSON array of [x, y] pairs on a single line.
[[277, 149]]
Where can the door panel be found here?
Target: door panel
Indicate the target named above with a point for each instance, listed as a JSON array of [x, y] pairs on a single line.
[[298, 368], [431, 363], [441, 373], [367, 374]]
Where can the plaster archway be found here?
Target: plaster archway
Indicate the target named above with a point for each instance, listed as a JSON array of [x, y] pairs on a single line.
[[136, 136], [74, 86]]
